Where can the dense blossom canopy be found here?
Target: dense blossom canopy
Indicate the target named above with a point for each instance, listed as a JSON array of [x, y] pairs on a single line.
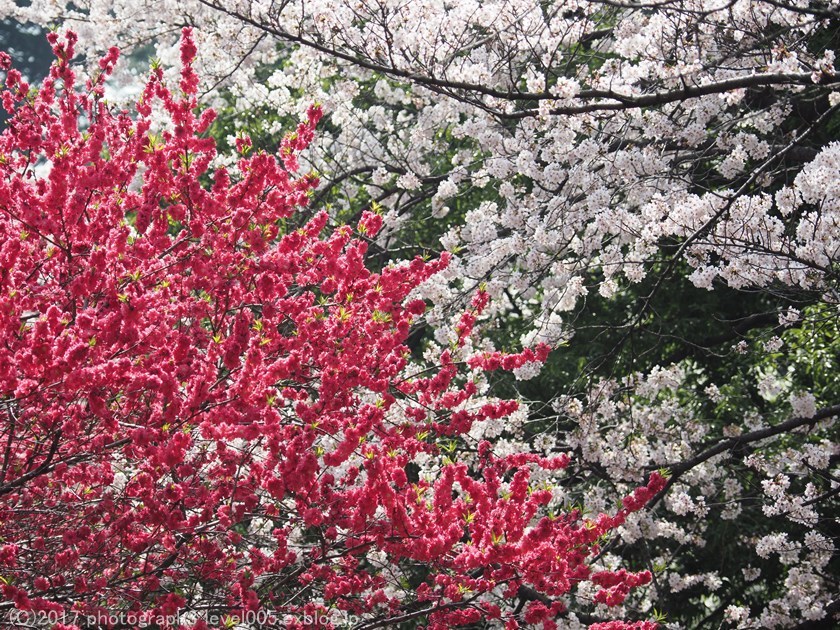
[[209, 416], [652, 186]]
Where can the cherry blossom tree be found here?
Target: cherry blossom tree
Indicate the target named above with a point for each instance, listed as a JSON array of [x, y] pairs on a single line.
[[653, 185], [212, 421]]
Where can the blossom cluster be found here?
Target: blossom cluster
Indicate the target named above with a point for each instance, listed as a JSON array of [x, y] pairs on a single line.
[[208, 398], [670, 165]]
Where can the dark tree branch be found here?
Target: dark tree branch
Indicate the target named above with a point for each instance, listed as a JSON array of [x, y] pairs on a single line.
[[453, 88], [677, 469]]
